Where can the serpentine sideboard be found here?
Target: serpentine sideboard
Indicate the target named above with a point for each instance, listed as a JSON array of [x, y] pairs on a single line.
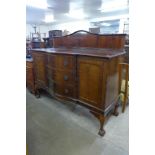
[[82, 67]]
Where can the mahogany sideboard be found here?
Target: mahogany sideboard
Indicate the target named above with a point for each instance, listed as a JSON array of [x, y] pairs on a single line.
[[86, 74]]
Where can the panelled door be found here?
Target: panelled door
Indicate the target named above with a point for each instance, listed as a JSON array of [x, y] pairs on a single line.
[[90, 80], [40, 69]]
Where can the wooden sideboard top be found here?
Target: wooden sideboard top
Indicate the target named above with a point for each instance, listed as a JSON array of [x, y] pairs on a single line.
[[87, 44], [94, 52]]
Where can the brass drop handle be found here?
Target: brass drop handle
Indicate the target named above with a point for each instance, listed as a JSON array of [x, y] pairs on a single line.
[[66, 91], [65, 77]]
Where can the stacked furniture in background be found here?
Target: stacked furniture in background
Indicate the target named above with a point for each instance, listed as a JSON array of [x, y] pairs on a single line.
[[124, 84], [54, 33], [127, 49]]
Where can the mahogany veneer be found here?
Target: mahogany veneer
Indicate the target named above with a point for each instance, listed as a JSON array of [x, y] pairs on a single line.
[[30, 75], [82, 68]]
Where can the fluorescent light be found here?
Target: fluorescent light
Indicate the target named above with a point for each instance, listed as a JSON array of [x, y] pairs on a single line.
[[105, 24], [41, 4], [78, 14], [125, 16], [49, 18], [113, 9], [114, 5], [75, 10]]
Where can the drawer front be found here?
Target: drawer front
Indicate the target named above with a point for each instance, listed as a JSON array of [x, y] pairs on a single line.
[[63, 77], [61, 62], [68, 91]]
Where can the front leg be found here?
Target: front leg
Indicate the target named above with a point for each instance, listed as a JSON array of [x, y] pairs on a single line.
[[102, 120]]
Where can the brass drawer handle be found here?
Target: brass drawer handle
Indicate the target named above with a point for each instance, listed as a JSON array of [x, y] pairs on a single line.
[[65, 77], [66, 91]]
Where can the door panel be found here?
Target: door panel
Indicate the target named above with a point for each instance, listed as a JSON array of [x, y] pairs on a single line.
[[40, 69], [90, 79]]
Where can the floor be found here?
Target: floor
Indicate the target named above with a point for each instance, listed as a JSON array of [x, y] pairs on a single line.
[[55, 128]]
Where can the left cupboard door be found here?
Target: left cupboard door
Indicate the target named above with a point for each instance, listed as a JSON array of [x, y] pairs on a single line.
[[40, 70]]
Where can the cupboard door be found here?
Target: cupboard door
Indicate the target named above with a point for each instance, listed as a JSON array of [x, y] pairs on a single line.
[[29, 76], [40, 70], [90, 81]]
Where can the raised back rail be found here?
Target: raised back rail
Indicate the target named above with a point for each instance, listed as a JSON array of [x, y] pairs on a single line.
[[83, 38]]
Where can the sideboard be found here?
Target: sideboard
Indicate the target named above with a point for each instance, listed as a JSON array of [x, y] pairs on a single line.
[[82, 67]]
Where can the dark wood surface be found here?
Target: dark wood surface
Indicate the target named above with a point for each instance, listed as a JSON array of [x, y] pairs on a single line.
[[30, 75], [85, 75], [83, 38], [39, 62], [93, 52], [89, 80]]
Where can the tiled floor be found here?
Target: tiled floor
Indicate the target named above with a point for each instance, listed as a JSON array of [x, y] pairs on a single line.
[[55, 128]]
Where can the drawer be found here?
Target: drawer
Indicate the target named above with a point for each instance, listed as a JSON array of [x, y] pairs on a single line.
[[68, 91], [63, 77], [61, 62]]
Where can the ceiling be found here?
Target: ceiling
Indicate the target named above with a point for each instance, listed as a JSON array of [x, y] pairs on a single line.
[[96, 11]]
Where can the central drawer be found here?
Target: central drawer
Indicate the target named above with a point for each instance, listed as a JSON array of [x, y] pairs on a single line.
[[64, 62], [65, 90], [61, 70], [64, 77]]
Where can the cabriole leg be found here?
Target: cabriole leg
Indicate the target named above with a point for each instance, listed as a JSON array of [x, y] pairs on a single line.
[[101, 118], [101, 130]]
